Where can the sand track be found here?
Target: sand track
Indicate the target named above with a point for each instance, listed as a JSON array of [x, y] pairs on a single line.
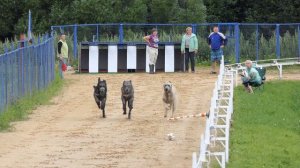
[[69, 132]]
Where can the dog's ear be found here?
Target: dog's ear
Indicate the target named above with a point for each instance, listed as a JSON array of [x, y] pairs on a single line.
[[130, 81], [105, 84], [99, 79], [171, 84], [94, 87], [123, 82]]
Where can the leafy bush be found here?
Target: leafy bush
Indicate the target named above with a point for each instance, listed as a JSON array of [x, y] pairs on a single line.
[[289, 45]]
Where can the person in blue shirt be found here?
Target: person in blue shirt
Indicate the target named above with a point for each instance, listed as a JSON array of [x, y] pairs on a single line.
[[216, 41]]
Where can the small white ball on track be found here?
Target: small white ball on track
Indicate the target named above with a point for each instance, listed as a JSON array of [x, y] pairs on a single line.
[[171, 136]]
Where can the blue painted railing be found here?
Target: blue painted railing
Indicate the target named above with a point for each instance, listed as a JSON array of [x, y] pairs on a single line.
[[25, 69], [237, 45]]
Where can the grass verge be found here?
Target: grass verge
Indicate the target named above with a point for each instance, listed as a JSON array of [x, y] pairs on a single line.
[[266, 128], [20, 110]]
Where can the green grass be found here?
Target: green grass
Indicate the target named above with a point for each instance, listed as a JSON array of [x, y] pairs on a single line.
[[20, 110], [266, 127]]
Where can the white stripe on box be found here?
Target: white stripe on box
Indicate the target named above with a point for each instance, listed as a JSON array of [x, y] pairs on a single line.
[[169, 58], [131, 57], [93, 59], [147, 59], [112, 58]]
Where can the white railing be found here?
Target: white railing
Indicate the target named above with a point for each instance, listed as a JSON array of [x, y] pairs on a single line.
[[279, 63], [214, 143]]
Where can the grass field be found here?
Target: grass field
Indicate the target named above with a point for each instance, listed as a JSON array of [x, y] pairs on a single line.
[[24, 106], [266, 127]]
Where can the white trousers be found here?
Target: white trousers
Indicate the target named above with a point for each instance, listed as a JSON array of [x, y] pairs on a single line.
[[153, 52]]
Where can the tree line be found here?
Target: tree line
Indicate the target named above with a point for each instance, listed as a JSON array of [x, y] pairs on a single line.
[[14, 13]]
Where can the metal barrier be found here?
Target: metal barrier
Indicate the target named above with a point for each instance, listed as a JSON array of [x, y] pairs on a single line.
[[26, 69], [279, 63], [254, 41], [214, 143]]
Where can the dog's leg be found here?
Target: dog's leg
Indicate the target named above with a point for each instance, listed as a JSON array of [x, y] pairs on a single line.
[[173, 109], [97, 101], [164, 100], [98, 104], [103, 113], [166, 110], [124, 105], [129, 114], [96, 98], [103, 107], [130, 105]]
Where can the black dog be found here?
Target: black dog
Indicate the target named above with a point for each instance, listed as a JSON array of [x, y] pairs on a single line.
[[100, 95], [127, 96]]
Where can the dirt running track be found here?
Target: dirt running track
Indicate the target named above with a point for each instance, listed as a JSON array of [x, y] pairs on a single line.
[[69, 132]]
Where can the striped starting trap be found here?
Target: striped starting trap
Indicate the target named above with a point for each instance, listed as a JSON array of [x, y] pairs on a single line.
[[98, 57]]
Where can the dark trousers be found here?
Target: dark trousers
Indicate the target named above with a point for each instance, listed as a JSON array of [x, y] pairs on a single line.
[[189, 56], [254, 84]]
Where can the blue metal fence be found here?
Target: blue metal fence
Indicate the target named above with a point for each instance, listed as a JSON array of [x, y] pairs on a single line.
[[246, 40], [25, 69]]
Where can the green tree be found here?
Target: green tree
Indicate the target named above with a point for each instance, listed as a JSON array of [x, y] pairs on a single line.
[[11, 11], [253, 10], [180, 11], [274, 11], [190, 11]]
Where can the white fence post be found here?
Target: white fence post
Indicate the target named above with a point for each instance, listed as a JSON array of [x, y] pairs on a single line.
[[194, 160]]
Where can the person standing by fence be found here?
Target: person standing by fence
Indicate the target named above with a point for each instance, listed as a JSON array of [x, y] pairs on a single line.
[[189, 47], [63, 51], [152, 49], [216, 41]]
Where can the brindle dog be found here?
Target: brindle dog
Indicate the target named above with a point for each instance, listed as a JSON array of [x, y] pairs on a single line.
[[127, 97], [100, 92]]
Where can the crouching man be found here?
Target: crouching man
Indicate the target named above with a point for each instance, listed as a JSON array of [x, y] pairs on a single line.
[[250, 77]]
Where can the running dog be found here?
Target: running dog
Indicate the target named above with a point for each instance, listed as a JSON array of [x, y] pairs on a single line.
[[169, 98], [127, 96], [100, 92]]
